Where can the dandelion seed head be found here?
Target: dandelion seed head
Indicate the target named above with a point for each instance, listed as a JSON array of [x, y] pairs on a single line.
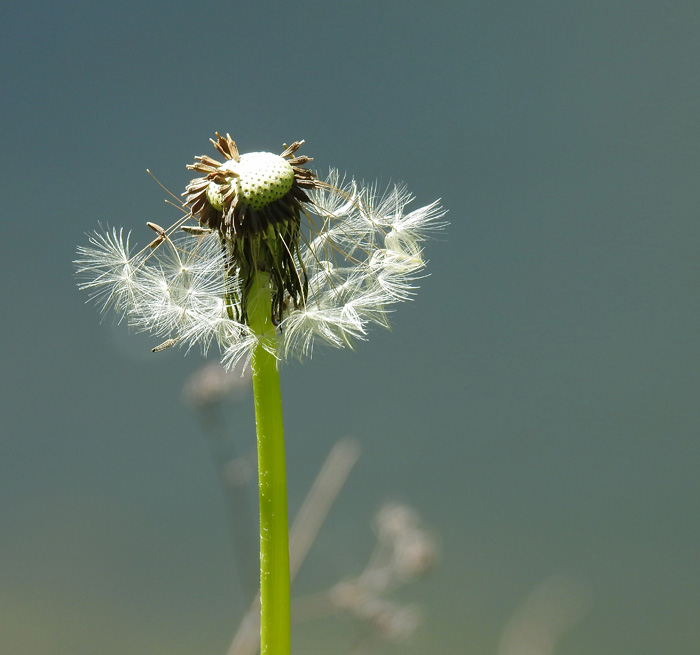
[[338, 255]]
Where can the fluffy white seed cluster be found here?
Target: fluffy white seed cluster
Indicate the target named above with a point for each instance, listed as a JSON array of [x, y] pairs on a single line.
[[362, 254]]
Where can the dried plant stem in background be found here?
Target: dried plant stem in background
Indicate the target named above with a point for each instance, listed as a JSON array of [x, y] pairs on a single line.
[[325, 490], [404, 551]]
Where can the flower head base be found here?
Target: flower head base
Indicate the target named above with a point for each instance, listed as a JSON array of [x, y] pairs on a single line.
[[254, 202], [354, 254], [247, 193]]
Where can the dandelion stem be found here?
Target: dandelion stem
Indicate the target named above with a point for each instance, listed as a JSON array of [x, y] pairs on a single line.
[[272, 482]]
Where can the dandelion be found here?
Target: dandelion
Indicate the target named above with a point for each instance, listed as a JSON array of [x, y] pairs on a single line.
[[267, 262]]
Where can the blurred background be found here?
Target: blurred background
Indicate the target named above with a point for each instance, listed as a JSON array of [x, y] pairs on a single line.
[[536, 405]]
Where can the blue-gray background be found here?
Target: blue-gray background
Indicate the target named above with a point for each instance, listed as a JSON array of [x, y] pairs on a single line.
[[537, 403]]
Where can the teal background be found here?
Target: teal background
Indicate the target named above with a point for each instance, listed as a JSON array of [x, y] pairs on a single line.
[[537, 403]]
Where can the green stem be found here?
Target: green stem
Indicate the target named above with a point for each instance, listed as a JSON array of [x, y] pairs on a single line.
[[272, 478]]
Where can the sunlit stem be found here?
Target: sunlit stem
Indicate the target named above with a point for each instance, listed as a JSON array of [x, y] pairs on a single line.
[[272, 479]]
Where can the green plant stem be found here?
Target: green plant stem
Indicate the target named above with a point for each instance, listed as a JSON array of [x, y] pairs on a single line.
[[272, 477]]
